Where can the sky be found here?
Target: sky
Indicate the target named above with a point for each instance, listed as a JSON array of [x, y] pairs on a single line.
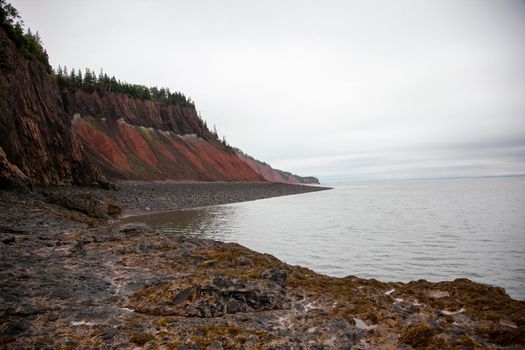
[[342, 90]]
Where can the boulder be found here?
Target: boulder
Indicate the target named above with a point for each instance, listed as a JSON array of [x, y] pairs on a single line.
[[277, 275], [222, 296], [94, 205]]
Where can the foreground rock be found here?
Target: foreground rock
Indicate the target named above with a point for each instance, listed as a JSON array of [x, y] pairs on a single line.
[[69, 280]]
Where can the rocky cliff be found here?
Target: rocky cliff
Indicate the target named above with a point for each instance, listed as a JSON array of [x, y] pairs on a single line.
[[140, 139], [50, 135], [276, 175], [36, 144], [128, 151], [173, 118]]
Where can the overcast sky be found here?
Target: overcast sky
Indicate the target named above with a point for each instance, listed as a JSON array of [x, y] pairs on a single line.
[[343, 90]]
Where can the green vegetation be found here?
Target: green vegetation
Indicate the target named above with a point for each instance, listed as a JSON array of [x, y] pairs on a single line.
[[28, 43], [103, 84]]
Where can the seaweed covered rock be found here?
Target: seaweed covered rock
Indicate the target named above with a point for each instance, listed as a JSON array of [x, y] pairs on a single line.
[[279, 276], [221, 296]]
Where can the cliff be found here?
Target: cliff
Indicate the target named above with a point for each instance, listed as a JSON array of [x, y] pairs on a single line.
[[52, 135], [36, 144], [145, 113], [127, 151], [140, 139], [275, 175]]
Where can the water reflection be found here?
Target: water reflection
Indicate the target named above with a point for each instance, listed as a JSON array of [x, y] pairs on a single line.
[[207, 222]]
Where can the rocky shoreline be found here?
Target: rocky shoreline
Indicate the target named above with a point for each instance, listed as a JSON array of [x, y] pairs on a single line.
[[73, 277], [139, 197]]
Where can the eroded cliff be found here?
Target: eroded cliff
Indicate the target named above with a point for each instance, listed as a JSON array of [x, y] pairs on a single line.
[[52, 135], [128, 151], [276, 175], [140, 139], [35, 130]]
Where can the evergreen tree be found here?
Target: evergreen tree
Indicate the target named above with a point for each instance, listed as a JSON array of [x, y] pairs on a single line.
[[78, 79], [104, 84], [29, 44], [89, 81], [73, 78]]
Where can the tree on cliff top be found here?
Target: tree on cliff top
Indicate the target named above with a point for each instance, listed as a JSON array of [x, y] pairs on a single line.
[[28, 43], [103, 84]]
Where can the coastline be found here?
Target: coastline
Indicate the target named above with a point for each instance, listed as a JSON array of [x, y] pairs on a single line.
[[142, 197], [73, 276]]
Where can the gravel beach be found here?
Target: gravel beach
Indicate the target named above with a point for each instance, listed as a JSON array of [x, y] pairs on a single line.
[[138, 197]]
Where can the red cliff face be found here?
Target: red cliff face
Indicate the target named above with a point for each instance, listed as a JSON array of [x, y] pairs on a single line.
[[133, 139], [48, 136], [126, 151], [34, 129], [276, 175]]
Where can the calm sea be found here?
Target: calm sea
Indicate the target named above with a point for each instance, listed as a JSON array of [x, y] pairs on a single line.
[[395, 231]]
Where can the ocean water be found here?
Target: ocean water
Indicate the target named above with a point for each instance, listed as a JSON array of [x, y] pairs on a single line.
[[391, 231]]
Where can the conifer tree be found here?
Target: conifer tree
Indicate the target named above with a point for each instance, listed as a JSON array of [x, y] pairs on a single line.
[[89, 81], [73, 78], [78, 79]]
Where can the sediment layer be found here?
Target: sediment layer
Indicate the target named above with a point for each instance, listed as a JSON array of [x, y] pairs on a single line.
[[73, 277]]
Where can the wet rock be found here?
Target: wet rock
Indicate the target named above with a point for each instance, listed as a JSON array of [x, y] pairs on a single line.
[[113, 208], [277, 275], [220, 297], [78, 248], [185, 294], [16, 328], [13, 329], [244, 261], [252, 341], [135, 228], [141, 338], [417, 336], [215, 346], [92, 204], [9, 240], [107, 185], [52, 317], [109, 334]]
